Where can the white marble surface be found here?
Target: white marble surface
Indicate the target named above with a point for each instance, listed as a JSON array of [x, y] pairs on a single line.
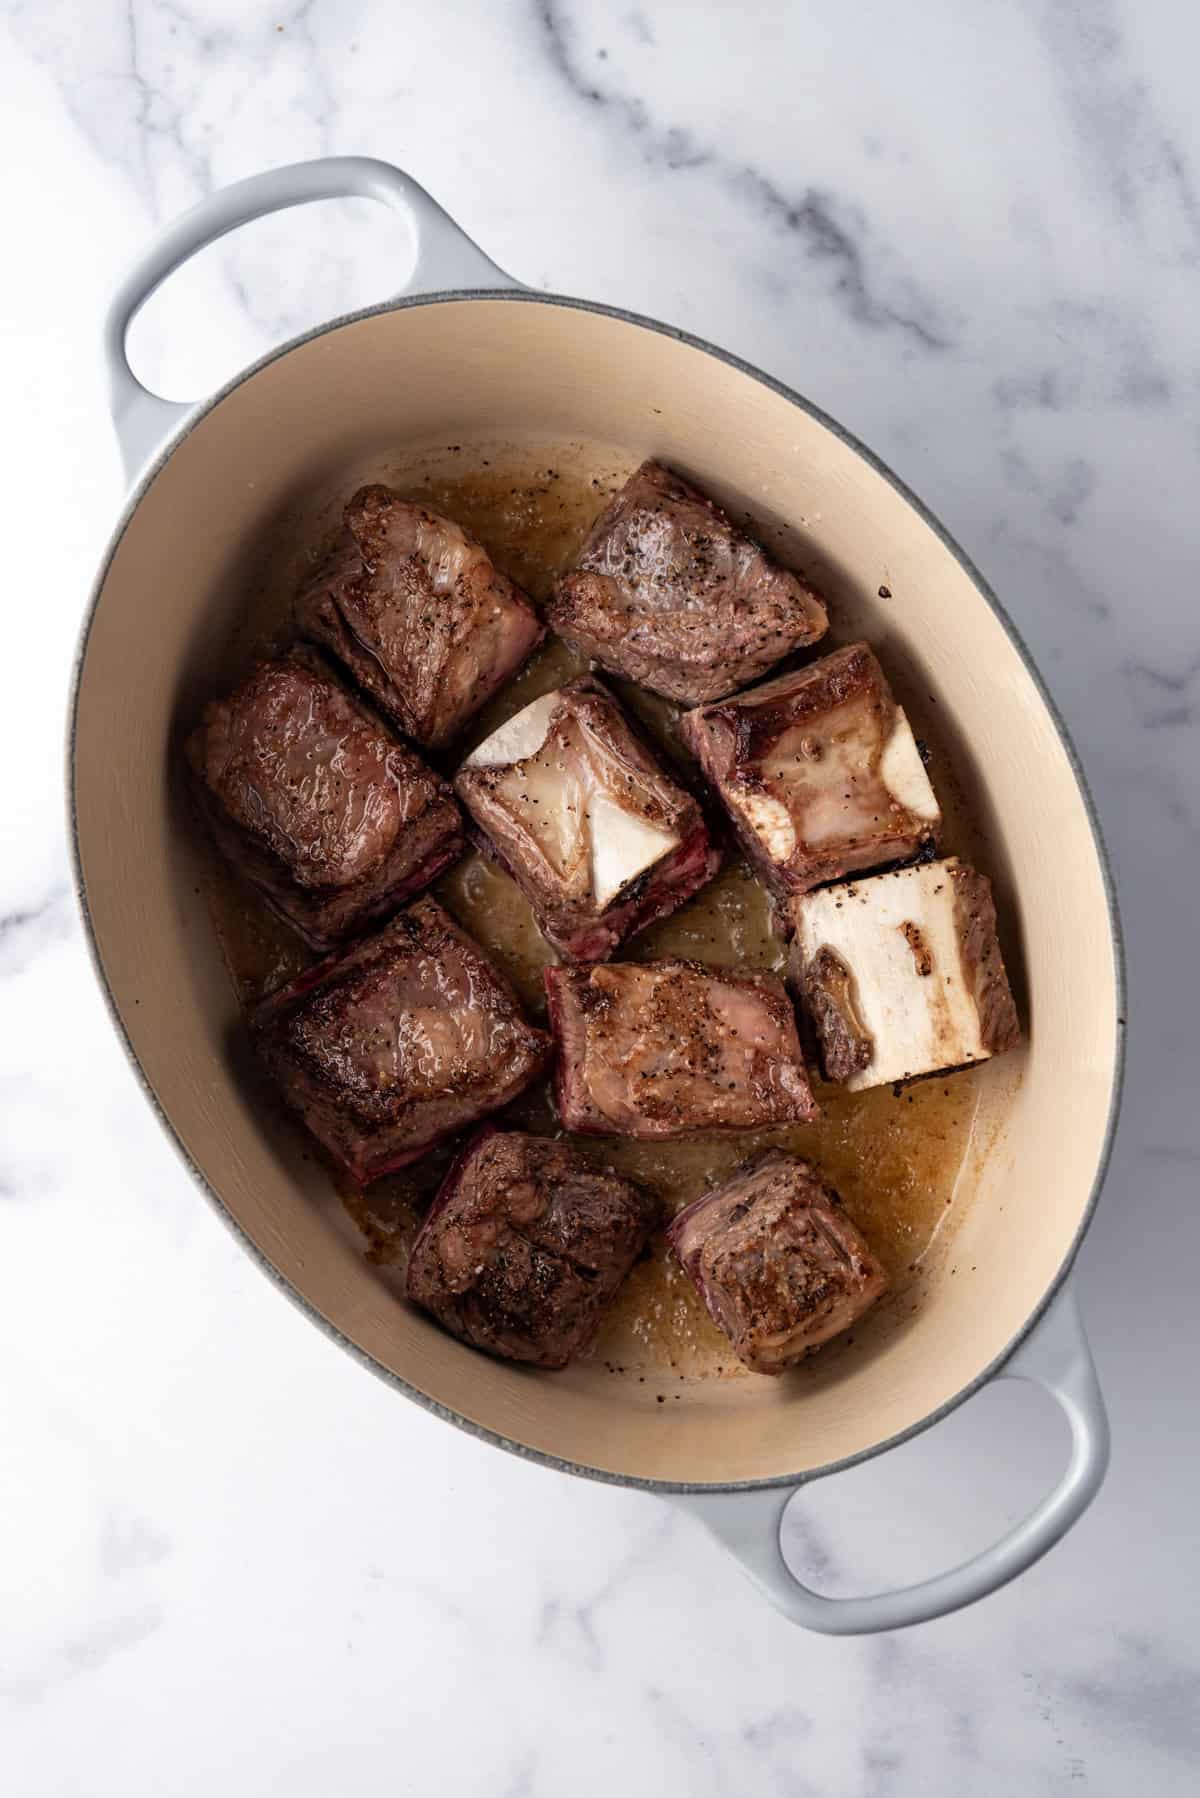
[[229, 1560]]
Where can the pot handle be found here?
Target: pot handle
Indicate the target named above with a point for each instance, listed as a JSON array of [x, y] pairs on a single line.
[[1056, 1357], [447, 261]]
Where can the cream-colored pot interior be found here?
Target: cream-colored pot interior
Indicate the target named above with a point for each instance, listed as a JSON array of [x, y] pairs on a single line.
[[480, 371]]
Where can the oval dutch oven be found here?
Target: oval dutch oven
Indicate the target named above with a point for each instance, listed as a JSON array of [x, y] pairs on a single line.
[[465, 352]]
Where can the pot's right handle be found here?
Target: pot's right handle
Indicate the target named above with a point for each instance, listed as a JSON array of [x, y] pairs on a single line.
[[447, 261], [1056, 1357]]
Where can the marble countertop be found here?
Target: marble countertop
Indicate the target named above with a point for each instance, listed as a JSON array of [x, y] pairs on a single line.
[[229, 1561]]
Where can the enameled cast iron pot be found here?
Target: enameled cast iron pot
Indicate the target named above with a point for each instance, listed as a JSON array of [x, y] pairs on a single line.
[[467, 355]]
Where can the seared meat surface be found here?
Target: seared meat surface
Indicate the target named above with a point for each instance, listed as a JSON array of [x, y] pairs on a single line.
[[665, 1049], [596, 833], [670, 592], [776, 1260], [314, 801], [525, 1246], [405, 1039], [902, 974], [419, 614], [818, 770]]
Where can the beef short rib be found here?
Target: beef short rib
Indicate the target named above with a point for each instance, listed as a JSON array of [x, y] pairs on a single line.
[[408, 1037], [668, 591], [312, 799], [818, 770], [902, 974], [418, 612], [598, 836], [776, 1260], [664, 1049], [525, 1246]]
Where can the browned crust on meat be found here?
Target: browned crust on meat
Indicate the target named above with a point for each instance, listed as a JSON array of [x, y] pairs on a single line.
[[526, 1245], [374, 1132], [583, 1012], [566, 1000], [730, 737], [592, 610], [982, 963], [325, 911], [349, 574], [827, 987], [780, 1266], [756, 718]]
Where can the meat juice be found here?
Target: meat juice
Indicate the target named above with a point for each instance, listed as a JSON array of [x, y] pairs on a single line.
[[895, 1156]]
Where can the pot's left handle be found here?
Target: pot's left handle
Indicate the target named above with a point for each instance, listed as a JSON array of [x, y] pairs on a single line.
[[1056, 1357], [447, 261]]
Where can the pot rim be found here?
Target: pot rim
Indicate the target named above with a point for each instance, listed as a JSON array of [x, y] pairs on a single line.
[[526, 297]]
